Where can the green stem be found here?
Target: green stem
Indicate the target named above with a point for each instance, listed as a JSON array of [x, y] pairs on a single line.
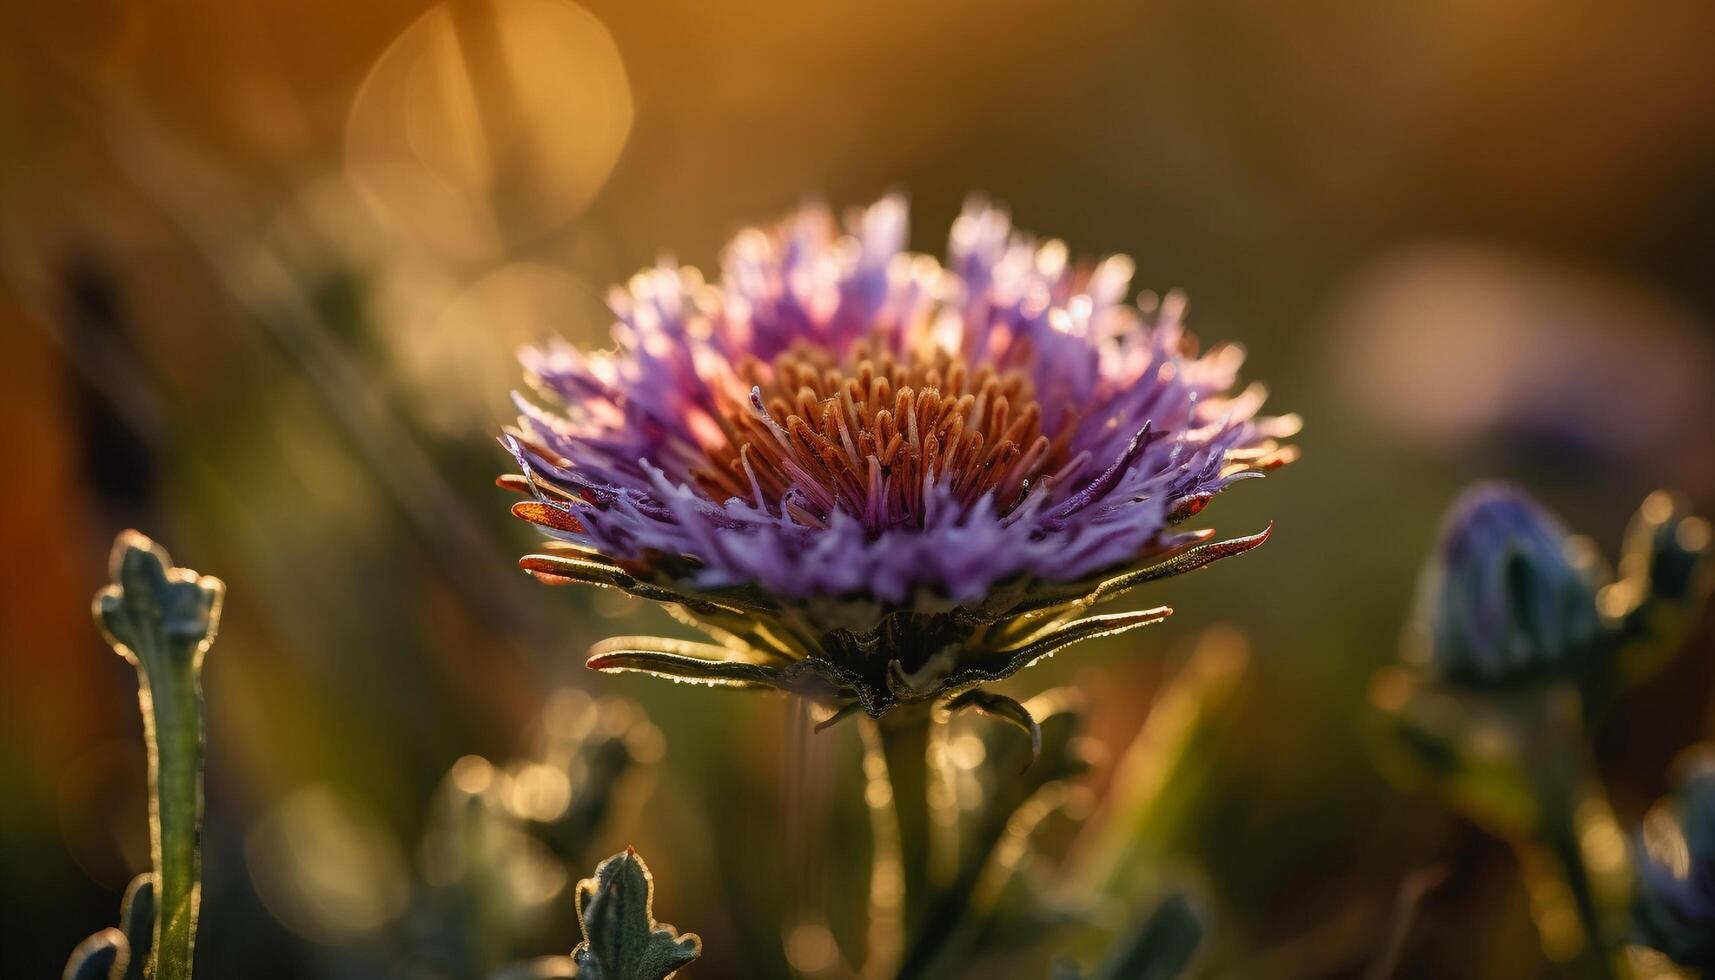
[[1598, 916], [162, 619], [171, 702], [904, 736], [1567, 786], [1593, 960]]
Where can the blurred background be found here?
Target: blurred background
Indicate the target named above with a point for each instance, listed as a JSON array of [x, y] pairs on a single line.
[[263, 267]]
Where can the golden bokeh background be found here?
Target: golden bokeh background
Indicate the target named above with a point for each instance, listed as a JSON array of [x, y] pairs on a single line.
[[263, 267]]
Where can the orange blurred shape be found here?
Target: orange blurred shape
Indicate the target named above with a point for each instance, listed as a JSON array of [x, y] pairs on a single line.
[[486, 125], [50, 659]]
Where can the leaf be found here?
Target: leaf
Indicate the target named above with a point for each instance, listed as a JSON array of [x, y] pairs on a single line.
[[594, 571], [122, 953], [682, 660], [1667, 571], [1088, 628], [1005, 709], [155, 615], [137, 921], [102, 956], [1188, 560], [622, 940]]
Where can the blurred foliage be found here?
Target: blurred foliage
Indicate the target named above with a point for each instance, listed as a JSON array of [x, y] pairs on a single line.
[[1523, 640], [1162, 946]]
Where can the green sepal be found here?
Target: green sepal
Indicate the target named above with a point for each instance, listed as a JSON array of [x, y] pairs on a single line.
[[838, 715], [594, 571], [1003, 708], [622, 940], [679, 660], [856, 648], [1042, 646], [1198, 554]]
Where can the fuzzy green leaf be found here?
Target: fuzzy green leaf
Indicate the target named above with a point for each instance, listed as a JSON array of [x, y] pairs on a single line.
[[157, 616], [102, 956], [622, 940], [137, 921]]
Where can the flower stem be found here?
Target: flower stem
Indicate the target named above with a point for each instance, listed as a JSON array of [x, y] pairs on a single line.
[[1580, 844], [903, 738]]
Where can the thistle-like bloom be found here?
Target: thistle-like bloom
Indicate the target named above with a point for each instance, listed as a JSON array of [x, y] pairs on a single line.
[[1510, 598], [874, 478], [1675, 910], [1503, 599]]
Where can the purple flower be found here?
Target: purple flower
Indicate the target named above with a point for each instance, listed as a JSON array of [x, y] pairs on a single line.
[[1675, 908], [1502, 599], [877, 477]]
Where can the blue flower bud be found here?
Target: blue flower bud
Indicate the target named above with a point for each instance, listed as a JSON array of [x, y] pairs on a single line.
[[1502, 600], [1675, 910]]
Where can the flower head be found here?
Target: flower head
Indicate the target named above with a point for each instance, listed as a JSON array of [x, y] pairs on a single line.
[[1503, 599], [874, 477], [1675, 911]]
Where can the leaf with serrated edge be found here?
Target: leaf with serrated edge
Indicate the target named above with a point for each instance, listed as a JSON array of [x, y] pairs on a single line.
[[622, 940]]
